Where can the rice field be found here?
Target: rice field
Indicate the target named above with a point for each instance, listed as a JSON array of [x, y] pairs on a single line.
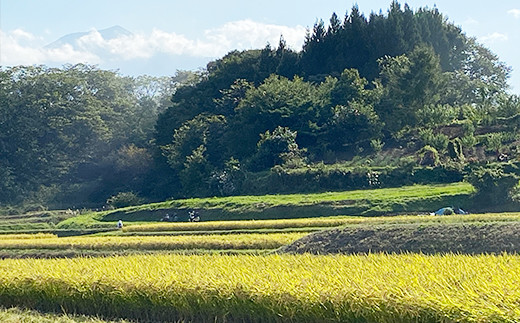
[[304, 288], [213, 242], [241, 225], [322, 222], [224, 271], [25, 236]]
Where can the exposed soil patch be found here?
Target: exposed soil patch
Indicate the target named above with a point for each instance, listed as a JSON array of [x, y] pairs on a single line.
[[474, 238]]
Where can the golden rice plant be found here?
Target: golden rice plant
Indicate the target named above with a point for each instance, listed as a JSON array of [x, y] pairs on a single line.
[[316, 222], [276, 288], [228, 241], [240, 225], [27, 236]]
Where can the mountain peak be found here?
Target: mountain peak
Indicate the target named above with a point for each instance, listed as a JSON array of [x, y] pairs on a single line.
[[114, 32]]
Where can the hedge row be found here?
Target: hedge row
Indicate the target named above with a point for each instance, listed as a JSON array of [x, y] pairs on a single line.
[[280, 180]]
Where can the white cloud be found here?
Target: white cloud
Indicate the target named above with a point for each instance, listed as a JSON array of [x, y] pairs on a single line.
[[68, 54], [493, 38], [22, 35], [12, 52], [248, 34], [514, 12], [23, 48], [20, 47], [244, 34], [470, 22]]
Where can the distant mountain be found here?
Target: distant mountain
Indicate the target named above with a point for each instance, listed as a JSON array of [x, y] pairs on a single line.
[[72, 39], [160, 64]]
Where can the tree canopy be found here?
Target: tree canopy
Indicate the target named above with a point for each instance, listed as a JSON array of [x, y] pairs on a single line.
[[358, 83]]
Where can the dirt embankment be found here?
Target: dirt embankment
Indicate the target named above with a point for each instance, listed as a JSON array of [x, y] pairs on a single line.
[[474, 238]]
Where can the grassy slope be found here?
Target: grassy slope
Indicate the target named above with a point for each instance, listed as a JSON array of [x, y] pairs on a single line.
[[464, 236], [417, 198]]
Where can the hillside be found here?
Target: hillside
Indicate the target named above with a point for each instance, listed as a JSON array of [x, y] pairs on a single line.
[[411, 199], [349, 110]]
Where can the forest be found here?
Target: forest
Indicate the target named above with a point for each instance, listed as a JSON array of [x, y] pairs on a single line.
[[386, 100]]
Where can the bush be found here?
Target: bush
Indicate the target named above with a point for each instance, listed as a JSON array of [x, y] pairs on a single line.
[[438, 141], [468, 141], [196, 175], [277, 148], [455, 150], [428, 156], [439, 174], [494, 186], [227, 181], [376, 145], [434, 115], [468, 128], [124, 199]]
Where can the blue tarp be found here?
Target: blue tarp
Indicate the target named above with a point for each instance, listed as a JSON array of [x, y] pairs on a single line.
[[449, 210], [444, 210]]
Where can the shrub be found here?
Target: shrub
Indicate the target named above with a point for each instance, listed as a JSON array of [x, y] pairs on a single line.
[[376, 145], [124, 199], [277, 148], [433, 115], [195, 176], [468, 128], [493, 185], [227, 181], [455, 150], [438, 141], [428, 156], [468, 141]]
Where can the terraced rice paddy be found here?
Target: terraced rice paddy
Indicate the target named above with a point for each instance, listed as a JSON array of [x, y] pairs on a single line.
[[226, 271], [304, 288], [220, 242]]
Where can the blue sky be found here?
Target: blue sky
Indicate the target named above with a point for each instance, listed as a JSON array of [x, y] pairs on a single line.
[[171, 35]]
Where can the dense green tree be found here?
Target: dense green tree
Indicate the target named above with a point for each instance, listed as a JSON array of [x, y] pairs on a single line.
[[410, 83], [278, 101], [357, 82], [353, 119], [275, 148], [250, 65], [202, 131], [360, 42], [62, 126]]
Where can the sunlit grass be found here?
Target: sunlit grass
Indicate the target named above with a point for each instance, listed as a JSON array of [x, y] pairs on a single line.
[[384, 198]]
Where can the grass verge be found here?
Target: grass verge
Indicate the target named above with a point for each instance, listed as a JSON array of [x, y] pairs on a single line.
[[417, 198]]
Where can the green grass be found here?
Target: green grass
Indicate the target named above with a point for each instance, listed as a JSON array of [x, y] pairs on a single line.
[[240, 202], [417, 198], [17, 315]]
